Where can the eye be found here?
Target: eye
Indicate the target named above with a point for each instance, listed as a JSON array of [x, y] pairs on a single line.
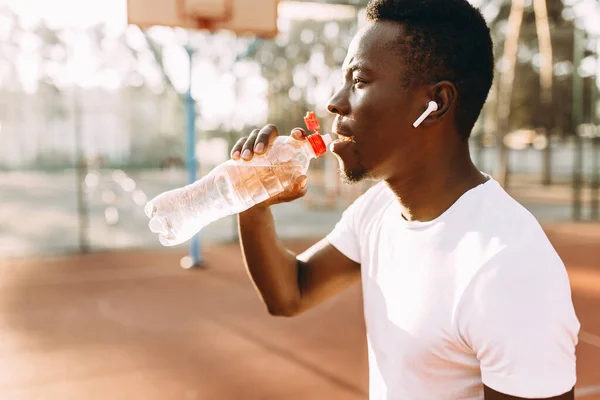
[[358, 82]]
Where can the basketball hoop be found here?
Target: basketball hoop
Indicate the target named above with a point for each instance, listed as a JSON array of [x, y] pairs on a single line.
[[243, 17]]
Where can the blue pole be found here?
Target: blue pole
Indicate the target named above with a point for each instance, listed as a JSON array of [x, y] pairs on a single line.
[[190, 110]]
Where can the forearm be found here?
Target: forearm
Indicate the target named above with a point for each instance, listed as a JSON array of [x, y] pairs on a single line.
[[272, 268]]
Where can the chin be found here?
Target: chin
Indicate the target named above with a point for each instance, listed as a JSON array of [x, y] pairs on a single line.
[[352, 171], [352, 176]]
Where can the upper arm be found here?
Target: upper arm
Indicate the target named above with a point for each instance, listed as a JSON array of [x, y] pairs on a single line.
[[517, 317], [324, 271], [334, 263], [491, 394]]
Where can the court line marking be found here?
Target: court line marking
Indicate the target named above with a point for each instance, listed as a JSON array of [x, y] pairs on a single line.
[[594, 340], [589, 338], [587, 391]]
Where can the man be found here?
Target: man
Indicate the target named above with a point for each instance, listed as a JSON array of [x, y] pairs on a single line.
[[464, 296]]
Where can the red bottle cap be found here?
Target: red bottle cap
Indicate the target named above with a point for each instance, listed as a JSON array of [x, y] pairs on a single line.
[[318, 144], [311, 121]]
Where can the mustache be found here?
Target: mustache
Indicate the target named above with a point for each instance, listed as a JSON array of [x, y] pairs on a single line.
[[342, 130]]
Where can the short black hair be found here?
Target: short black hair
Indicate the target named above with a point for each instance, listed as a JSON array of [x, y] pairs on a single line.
[[444, 40]]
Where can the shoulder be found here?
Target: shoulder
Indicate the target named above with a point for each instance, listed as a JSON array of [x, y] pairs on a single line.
[[348, 235], [493, 213]]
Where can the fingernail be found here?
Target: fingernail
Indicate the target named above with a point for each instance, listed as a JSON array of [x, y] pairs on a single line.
[[304, 182], [246, 154], [297, 133], [157, 225], [260, 147], [236, 155], [150, 210]]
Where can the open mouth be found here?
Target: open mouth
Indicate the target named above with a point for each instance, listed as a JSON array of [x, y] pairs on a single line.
[[341, 138], [341, 142]]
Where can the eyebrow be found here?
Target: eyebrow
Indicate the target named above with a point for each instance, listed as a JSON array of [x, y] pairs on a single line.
[[356, 66]]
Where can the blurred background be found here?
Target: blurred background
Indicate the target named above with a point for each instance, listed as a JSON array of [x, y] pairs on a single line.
[[94, 122], [93, 113]]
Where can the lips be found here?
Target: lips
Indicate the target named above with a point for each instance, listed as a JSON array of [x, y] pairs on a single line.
[[344, 140], [343, 134]]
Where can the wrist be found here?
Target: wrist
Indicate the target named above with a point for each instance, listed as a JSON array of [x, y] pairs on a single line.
[[256, 210]]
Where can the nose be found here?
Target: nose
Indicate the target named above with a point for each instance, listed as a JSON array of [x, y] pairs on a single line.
[[339, 103]]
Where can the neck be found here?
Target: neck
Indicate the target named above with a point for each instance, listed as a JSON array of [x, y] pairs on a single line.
[[428, 189]]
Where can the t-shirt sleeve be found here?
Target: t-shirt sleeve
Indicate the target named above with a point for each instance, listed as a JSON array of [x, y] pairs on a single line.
[[517, 316], [344, 235]]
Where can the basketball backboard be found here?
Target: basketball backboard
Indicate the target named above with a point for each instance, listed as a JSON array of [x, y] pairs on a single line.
[[211, 10], [251, 17], [244, 17], [174, 13]]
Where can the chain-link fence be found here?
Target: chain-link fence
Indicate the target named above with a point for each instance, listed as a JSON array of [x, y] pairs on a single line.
[[99, 129]]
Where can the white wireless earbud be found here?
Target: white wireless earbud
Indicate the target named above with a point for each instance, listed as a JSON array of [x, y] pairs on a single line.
[[430, 108]]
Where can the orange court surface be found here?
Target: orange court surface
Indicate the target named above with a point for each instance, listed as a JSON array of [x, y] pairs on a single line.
[[134, 325]]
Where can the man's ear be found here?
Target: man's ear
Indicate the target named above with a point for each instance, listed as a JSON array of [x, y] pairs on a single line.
[[444, 93]]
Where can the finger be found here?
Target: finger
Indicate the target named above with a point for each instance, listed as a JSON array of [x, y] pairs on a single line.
[[248, 149], [236, 152], [301, 181], [266, 137], [150, 210], [164, 241], [158, 225], [301, 186], [299, 134], [168, 241]]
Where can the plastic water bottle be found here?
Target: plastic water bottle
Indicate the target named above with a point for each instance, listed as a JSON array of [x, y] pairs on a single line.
[[232, 187]]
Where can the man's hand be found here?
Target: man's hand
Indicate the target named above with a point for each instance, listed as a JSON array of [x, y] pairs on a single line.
[[259, 142], [286, 285]]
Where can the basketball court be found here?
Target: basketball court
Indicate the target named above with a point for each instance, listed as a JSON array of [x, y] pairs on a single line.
[[134, 325]]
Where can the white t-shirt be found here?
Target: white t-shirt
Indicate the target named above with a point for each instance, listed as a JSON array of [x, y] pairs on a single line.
[[476, 296]]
